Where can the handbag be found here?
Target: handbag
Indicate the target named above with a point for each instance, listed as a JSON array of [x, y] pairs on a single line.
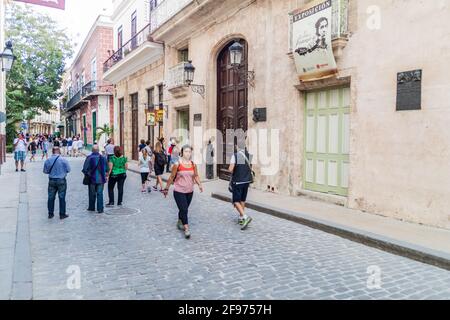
[[87, 178]]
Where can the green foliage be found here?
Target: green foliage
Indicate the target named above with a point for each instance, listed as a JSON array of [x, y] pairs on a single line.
[[36, 76], [105, 130]]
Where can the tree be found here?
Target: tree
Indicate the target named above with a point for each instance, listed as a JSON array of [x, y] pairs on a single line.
[[105, 130], [35, 80]]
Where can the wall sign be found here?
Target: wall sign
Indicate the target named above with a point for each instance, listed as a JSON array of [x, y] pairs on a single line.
[[260, 114], [197, 120], [311, 37], [409, 90]]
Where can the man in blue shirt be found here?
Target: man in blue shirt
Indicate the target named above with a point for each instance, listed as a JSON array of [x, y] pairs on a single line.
[[57, 168], [95, 167]]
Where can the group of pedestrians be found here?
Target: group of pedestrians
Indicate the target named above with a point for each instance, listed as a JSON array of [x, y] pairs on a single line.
[[111, 168]]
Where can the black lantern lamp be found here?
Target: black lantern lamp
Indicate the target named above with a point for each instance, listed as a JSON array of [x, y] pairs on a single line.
[[189, 71], [7, 57], [236, 53]]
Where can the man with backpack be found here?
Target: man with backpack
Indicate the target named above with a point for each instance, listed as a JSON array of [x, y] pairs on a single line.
[[241, 177], [57, 168]]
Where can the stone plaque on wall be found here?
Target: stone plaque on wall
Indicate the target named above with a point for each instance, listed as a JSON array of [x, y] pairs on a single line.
[[409, 90], [197, 120]]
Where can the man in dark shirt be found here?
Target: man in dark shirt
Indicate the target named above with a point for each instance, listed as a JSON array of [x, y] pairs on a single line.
[[95, 168]]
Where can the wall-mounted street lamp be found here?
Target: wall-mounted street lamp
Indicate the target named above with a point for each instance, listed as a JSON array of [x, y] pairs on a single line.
[[189, 71], [236, 53], [7, 57]]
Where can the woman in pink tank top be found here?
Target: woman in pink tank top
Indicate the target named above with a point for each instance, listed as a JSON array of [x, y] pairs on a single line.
[[184, 176]]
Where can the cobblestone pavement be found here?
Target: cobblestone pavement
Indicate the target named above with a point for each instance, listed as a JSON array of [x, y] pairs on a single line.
[[142, 256]]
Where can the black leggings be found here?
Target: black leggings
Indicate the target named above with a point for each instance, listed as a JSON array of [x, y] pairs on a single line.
[[120, 180], [183, 201]]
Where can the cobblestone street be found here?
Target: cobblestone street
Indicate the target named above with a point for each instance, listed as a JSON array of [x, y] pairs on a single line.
[[137, 253]]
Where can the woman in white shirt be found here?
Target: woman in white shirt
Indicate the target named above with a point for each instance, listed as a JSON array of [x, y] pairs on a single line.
[[144, 166]]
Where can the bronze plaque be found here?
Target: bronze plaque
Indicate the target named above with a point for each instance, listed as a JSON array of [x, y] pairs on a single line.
[[409, 90]]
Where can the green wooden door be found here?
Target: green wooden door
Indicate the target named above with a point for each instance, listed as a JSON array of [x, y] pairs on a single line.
[[94, 127], [327, 141], [84, 130]]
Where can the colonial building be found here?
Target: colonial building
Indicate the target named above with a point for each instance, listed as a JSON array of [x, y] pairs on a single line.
[[359, 115], [136, 68], [45, 123], [89, 103]]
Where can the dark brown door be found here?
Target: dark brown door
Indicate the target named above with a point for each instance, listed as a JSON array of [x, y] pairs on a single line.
[[121, 123], [232, 107], [134, 126]]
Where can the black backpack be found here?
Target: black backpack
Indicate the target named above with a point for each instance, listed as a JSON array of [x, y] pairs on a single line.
[[161, 159]]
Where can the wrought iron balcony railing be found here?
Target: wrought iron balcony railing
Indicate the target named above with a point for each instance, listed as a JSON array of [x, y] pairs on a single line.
[[74, 100], [95, 88], [134, 43], [165, 10]]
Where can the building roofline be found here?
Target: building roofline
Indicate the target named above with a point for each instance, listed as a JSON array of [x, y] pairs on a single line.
[[101, 21]]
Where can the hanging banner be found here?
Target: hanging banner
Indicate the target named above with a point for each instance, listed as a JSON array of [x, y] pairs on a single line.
[[57, 4], [160, 116], [311, 36], [150, 118]]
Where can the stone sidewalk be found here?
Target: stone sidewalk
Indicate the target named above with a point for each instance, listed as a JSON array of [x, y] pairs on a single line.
[[9, 204]]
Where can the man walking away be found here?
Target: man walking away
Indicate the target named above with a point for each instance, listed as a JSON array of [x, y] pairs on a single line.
[[109, 149], [57, 168], [69, 146], [64, 146], [95, 167], [20, 152], [241, 178]]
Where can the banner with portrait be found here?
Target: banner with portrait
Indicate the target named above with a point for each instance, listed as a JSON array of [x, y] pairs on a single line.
[[311, 39]]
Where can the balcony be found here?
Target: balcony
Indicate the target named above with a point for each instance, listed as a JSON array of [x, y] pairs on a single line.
[[96, 88], [176, 81], [134, 55], [166, 10], [75, 101]]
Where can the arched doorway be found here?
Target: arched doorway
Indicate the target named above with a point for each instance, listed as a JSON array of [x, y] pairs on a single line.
[[232, 102]]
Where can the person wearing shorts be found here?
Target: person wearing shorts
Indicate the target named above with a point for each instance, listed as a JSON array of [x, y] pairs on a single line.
[[144, 168], [240, 168], [20, 152]]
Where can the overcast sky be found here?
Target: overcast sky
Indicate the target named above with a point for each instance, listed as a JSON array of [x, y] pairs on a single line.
[[77, 18]]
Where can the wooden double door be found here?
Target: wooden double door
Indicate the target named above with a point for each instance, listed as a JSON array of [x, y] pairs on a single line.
[[135, 126], [232, 104]]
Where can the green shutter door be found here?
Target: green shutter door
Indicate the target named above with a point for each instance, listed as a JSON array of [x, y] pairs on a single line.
[[94, 127], [327, 141]]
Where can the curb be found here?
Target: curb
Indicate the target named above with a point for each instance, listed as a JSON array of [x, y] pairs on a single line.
[[401, 248], [22, 286]]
